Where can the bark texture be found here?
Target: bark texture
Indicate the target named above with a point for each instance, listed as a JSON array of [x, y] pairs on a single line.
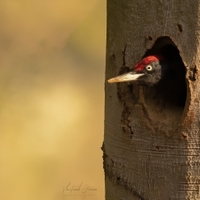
[[151, 149]]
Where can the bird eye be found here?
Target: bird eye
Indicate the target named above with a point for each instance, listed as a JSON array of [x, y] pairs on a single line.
[[149, 68]]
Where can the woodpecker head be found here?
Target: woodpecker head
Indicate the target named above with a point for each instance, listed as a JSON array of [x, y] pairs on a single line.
[[148, 71]]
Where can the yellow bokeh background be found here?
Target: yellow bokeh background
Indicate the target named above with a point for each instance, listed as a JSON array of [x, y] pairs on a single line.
[[52, 63]]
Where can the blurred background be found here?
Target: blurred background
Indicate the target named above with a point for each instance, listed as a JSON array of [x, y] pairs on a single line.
[[52, 62]]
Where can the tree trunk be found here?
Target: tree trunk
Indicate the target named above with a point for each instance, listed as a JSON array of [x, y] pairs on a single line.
[[151, 150]]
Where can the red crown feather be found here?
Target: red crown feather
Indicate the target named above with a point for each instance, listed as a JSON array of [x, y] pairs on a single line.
[[147, 60]]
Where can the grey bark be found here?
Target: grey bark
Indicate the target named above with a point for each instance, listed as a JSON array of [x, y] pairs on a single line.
[[151, 151]]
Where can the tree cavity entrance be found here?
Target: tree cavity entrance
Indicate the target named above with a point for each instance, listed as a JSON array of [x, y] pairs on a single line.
[[165, 102], [158, 108]]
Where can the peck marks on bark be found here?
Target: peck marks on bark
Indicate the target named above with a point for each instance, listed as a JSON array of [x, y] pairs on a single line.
[[124, 56], [180, 28], [193, 73]]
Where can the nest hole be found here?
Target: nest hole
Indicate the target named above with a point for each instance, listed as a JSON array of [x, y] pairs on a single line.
[[166, 101], [160, 107]]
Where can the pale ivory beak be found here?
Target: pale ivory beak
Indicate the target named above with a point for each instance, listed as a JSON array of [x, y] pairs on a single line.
[[130, 76]]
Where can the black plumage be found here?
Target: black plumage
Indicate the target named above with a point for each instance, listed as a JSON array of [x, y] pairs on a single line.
[[164, 71]]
